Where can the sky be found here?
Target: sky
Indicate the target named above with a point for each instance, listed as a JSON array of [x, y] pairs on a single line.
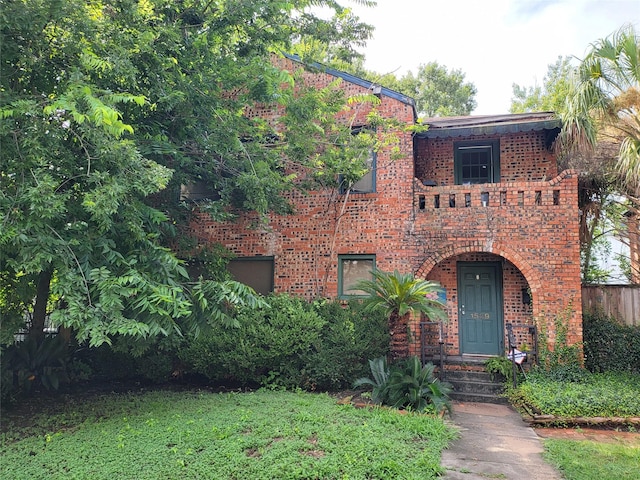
[[495, 43]]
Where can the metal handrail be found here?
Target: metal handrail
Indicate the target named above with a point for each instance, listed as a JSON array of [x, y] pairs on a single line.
[[441, 344]]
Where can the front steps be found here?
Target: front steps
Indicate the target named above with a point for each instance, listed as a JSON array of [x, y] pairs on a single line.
[[470, 381]]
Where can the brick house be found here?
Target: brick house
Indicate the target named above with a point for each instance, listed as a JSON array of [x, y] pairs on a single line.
[[475, 203]]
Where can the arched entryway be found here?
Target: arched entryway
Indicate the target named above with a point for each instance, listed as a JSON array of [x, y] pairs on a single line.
[[484, 292]]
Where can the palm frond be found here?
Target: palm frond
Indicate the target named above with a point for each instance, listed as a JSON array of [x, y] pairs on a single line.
[[398, 293]]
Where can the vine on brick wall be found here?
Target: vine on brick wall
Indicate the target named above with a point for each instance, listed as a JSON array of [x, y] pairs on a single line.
[[561, 353]]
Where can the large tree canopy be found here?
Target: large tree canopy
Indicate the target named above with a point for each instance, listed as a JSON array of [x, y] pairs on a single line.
[[438, 92], [104, 104], [604, 108]]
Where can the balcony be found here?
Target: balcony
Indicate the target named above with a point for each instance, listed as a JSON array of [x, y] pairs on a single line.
[[552, 193]]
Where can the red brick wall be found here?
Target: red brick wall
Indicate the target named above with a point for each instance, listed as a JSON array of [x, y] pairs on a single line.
[[523, 156], [531, 225], [535, 228]]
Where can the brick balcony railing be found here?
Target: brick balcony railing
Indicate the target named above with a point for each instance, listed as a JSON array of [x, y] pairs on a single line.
[[510, 194]]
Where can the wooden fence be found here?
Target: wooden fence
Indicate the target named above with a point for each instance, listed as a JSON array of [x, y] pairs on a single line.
[[619, 301]]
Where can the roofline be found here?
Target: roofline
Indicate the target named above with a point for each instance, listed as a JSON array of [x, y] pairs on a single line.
[[374, 87], [490, 127]]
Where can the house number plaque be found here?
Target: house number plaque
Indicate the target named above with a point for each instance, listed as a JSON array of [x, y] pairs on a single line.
[[480, 316]]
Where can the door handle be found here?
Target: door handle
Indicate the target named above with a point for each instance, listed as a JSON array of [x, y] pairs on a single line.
[[462, 309]]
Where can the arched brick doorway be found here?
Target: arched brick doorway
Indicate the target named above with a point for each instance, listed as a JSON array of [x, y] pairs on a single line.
[[484, 292]]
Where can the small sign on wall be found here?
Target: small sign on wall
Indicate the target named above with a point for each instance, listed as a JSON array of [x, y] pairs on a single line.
[[442, 296]]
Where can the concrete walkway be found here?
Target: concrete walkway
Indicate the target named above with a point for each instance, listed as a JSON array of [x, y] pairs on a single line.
[[494, 443]]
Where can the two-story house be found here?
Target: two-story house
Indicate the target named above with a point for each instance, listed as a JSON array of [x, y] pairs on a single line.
[[475, 203]]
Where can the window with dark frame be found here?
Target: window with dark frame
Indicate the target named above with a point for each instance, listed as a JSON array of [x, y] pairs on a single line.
[[256, 272], [352, 269], [367, 183], [477, 162]]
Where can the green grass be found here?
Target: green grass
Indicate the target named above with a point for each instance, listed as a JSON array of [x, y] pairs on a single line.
[[202, 435], [588, 460]]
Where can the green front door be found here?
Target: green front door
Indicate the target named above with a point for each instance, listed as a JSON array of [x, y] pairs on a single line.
[[480, 308]]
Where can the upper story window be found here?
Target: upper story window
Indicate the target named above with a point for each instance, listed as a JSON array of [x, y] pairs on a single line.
[[477, 162], [198, 191], [367, 183]]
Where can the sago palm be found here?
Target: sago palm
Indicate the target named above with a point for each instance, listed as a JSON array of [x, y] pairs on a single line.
[[399, 295]]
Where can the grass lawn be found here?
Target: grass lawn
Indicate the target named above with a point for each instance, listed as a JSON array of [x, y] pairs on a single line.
[[189, 435], [590, 460]]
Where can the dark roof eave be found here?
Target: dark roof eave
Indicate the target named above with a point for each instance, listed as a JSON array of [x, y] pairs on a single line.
[[387, 92], [491, 129]]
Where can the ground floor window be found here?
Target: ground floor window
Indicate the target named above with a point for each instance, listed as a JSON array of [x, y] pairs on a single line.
[[257, 272], [352, 269]]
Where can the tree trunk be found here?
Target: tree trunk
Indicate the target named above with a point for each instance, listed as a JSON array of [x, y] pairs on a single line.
[[40, 307], [399, 338]]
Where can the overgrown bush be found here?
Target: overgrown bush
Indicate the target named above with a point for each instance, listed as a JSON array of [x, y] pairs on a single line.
[[349, 338], [292, 343], [266, 348], [609, 345]]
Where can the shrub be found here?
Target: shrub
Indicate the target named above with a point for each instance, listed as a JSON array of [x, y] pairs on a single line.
[[267, 347], [290, 343], [350, 337], [407, 384], [610, 346], [38, 362]]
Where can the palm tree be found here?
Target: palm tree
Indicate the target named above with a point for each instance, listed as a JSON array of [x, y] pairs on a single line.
[[605, 107], [399, 295], [605, 102]]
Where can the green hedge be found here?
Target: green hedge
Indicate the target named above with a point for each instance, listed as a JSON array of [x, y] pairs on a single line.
[[316, 346], [610, 346], [322, 345]]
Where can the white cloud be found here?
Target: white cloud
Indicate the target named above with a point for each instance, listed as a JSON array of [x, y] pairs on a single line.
[[494, 42]]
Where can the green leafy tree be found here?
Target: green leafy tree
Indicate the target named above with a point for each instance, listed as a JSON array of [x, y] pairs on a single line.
[[551, 96], [399, 296], [106, 108], [603, 196], [438, 92]]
